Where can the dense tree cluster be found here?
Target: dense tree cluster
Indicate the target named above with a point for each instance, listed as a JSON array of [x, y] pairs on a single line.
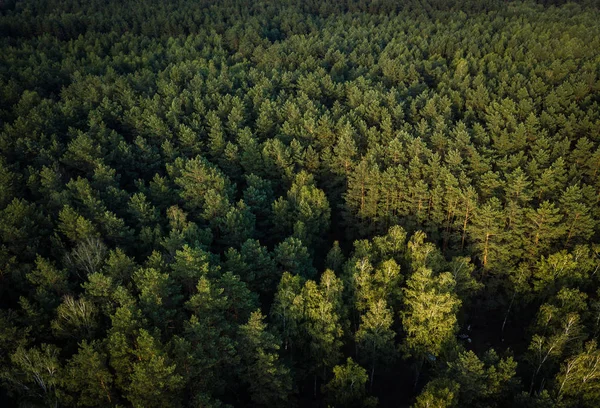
[[299, 203]]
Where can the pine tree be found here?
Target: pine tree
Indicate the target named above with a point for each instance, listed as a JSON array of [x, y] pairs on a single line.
[[154, 382], [551, 180], [251, 158], [487, 233], [216, 134], [255, 266], [258, 196], [87, 376], [159, 297], [269, 380], [468, 204], [197, 178], [237, 225], [74, 226], [49, 283], [482, 382], [306, 205], [544, 228], [205, 351], [344, 151], [239, 302], [335, 258], [292, 256], [362, 197], [578, 223], [189, 265]]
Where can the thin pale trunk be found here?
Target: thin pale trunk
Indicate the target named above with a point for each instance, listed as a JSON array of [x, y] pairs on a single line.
[[430, 207], [372, 376], [418, 374], [464, 234], [533, 379], [106, 391], [387, 206], [539, 368], [362, 197], [448, 218], [571, 229], [485, 249], [286, 339], [507, 313], [537, 233], [592, 372], [372, 366], [568, 371]]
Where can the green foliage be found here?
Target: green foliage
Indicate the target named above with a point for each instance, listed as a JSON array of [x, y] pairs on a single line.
[[375, 337], [255, 266], [429, 316], [335, 257], [442, 393], [159, 297], [189, 265], [153, 381], [558, 331], [75, 318], [415, 178], [347, 388], [322, 321], [203, 187], [88, 378], [35, 374], [577, 382], [483, 382], [305, 212], [292, 256], [269, 380], [49, 283], [487, 232], [286, 309]]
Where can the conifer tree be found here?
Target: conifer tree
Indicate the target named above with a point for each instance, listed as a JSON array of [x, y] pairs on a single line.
[[269, 380]]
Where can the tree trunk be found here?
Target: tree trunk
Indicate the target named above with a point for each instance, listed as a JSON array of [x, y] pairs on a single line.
[[372, 376], [571, 229], [485, 249], [419, 367], [464, 234], [507, 313]]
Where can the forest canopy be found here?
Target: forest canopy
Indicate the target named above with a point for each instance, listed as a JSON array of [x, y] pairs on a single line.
[[270, 203]]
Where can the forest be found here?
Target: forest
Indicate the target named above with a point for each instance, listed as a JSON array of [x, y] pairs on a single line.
[[299, 203]]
